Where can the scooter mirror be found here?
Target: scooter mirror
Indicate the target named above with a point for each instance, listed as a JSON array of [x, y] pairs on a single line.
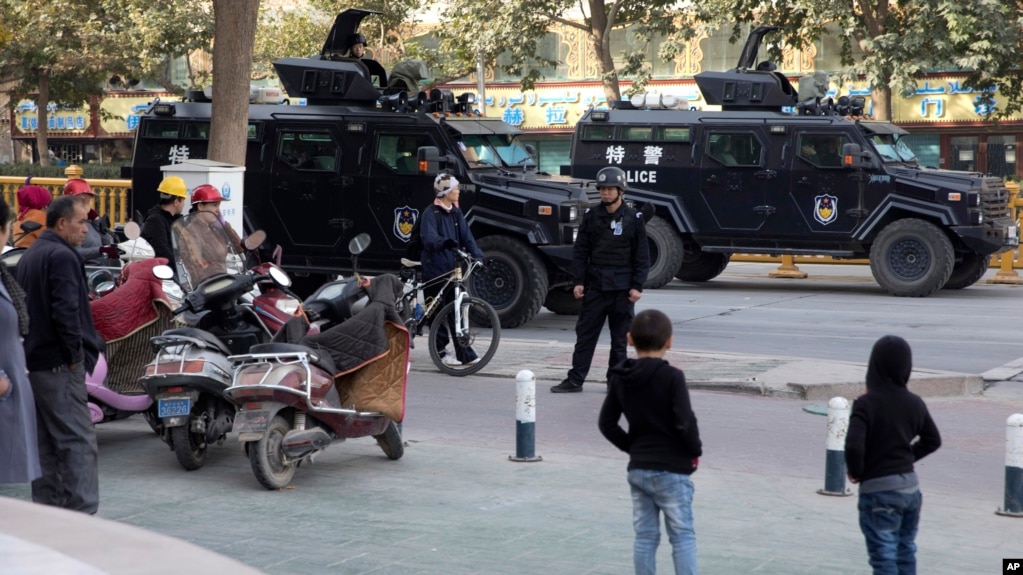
[[359, 244], [254, 240], [280, 277], [132, 231], [10, 258], [163, 272], [28, 227]]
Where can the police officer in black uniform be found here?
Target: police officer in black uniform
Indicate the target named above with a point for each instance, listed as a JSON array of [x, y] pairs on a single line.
[[609, 266]]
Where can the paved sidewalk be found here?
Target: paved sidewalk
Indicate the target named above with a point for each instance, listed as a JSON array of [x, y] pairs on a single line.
[[454, 504], [792, 377]]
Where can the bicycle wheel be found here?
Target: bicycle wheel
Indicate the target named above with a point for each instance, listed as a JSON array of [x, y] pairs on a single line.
[[482, 335]]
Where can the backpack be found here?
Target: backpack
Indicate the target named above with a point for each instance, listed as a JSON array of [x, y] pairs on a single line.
[[414, 248]]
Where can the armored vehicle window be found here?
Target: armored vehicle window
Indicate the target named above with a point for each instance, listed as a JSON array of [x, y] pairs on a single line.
[[823, 150], [315, 151], [398, 152], [734, 149], [636, 133], [160, 129], [598, 132], [197, 130], [672, 134]]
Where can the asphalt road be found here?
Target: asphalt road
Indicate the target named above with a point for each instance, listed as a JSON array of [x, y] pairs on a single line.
[[835, 314]]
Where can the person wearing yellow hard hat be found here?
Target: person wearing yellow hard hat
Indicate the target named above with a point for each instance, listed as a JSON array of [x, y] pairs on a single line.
[[157, 226]]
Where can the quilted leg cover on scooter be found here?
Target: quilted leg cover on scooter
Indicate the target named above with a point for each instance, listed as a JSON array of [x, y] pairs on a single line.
[[127, 318]]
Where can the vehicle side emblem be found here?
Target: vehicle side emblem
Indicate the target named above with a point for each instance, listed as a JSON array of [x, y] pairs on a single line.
[[404, 220], [825, 208]]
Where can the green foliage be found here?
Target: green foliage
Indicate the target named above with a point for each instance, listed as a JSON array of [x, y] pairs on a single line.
[[297, 31]]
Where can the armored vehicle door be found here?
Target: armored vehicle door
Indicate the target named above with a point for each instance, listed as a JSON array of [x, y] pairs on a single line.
[[395, 193], [818, 196], [732, 180], [307, 189]]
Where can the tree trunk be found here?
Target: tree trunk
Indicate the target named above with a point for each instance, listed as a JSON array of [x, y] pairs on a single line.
[[42, 116], [234, 36], [601, 35], [881, 97]]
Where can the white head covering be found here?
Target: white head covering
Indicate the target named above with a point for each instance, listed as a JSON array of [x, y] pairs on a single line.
[[443, 184]]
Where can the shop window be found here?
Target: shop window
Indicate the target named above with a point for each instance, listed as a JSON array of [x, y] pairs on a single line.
[[552, 154], [1001, 155], [964, 153]]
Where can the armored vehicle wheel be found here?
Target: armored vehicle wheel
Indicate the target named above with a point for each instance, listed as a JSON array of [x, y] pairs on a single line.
[[561, 301], [911, 258], [267, 458], [515, 281], [968, 271], [665, 253], [701, 266], [390, 441]]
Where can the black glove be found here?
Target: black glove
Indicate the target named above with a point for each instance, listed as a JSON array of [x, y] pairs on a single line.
[[109, 252], [450, 244], [485, 262]]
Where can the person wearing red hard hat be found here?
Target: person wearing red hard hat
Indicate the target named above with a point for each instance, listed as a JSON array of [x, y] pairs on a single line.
[[98, 245], [207, 198]]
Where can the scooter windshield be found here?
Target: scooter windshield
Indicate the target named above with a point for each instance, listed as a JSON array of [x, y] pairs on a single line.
[[203, 248]]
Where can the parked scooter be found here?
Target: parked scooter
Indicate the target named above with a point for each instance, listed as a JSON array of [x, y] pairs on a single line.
[[126, 318], [191, 370], [348, 381]]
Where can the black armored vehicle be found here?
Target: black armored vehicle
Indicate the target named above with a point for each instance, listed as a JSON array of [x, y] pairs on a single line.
[[780, 170], [361, 157]]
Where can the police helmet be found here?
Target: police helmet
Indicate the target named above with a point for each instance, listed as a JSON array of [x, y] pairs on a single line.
[[612, 177], [356, 39]]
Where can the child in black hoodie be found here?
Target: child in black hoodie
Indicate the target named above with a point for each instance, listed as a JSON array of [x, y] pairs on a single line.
[[663, 443], [879, 454]]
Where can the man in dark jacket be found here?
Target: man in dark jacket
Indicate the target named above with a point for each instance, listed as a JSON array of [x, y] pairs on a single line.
[[879, 454], [157, 228], [663, 442], [60, 349], [610, 263], [443, 230]]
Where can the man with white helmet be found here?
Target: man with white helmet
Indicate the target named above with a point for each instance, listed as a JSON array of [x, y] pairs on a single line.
[[443, 230], [157, 227], [609, 267]]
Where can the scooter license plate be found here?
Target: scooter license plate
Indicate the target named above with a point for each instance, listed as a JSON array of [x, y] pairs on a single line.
[[173, 407]]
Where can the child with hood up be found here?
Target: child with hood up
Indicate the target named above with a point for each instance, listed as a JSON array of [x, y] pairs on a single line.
[[889, 430]]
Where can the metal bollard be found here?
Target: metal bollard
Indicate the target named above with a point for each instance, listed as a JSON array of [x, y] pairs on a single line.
[[1013, 506], [834, 465], [525, 418]]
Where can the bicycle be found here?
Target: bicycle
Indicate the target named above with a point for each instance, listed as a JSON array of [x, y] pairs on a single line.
[[474, 321]]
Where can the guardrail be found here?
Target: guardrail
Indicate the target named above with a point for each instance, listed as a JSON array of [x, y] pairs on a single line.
[[112, 199], [111, 195]]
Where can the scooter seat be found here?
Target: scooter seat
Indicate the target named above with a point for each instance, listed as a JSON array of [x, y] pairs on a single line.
[[201, 335], [320, 360]]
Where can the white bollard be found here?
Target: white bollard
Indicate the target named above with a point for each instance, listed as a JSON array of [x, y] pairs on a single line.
[[525, 418], [834, 465], [1013, 506]]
